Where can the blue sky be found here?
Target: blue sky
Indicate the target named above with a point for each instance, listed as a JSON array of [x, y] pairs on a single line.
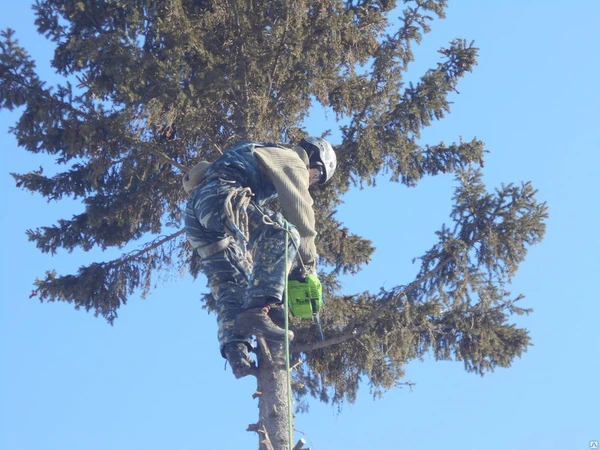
[[155, 380]]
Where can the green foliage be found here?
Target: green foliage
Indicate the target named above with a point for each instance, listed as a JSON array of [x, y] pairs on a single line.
[[151, 87], [456, 308]]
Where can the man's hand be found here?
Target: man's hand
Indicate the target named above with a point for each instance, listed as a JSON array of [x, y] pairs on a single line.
[[298, 274]]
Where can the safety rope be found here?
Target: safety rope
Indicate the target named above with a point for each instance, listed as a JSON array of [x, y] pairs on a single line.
[[287, 348]]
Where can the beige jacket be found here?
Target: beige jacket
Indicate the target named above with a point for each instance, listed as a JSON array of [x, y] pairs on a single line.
[[288, 171]]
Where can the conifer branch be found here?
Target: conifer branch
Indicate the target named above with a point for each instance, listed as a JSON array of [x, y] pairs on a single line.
[[165, 157], [279, 52], [252, 70], [136, 254], [387, 302]]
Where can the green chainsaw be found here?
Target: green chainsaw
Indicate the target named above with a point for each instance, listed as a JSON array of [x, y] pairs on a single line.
[[305, 299]]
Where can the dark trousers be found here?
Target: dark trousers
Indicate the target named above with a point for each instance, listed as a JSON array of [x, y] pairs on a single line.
[[232, 281]]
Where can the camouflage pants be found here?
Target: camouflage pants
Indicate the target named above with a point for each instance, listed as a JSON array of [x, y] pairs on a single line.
[[231, 281]]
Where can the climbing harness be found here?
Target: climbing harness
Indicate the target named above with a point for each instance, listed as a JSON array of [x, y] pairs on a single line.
[[206, 251]]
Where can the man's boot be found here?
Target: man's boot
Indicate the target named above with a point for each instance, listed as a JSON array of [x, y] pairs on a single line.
[[256, 321], [238, 358], [277, 315]]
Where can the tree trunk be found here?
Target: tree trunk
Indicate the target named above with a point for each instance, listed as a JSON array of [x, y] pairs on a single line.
[[272, 390]]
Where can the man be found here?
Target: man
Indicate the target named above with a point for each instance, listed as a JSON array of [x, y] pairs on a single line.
[[225, 214]]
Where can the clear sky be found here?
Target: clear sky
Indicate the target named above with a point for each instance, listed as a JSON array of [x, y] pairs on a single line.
[[155, 381]]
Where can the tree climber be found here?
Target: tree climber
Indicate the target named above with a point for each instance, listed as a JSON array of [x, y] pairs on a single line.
[[227, 224]]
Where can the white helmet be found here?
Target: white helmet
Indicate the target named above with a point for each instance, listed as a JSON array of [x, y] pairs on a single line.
[[320, 153]]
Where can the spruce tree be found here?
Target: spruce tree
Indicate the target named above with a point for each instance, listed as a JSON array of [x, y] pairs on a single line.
[[152, 87]]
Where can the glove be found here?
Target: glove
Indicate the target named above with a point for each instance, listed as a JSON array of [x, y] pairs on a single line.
[[301, 273]]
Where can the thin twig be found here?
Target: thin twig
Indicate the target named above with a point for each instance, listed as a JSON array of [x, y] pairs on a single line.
[[300, 444]]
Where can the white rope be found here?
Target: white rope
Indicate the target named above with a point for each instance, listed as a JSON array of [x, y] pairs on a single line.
[[236, 210]]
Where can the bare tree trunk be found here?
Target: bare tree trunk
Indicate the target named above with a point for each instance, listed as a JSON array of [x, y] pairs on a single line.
[[274, 423]]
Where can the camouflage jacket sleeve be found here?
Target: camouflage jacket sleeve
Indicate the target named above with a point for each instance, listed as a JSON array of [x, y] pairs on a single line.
[[288, 171]]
